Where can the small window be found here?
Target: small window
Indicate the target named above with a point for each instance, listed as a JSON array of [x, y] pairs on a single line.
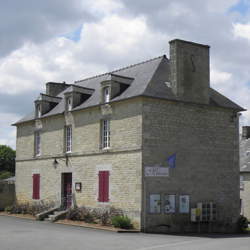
[[36, 187], [69, 103], [68, 139], [38, 110], [103, 195], [106, 94], [105, 140], [37, 143], [241, 182]]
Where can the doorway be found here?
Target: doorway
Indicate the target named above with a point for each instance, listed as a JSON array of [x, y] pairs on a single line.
[[66, 190]]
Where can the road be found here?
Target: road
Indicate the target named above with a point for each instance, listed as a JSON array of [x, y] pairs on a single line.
[[23, 234]]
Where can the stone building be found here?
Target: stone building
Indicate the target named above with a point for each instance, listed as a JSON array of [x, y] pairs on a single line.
[[245, 171], [152, 138]]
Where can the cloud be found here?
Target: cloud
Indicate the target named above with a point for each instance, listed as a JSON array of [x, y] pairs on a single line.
[[69, 40], [242, 30], [37, 21], [7, 133]]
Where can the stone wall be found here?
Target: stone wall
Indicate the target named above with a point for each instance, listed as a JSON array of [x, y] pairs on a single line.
[[123, 159], [245, 195], [205, 140], [7, 194]]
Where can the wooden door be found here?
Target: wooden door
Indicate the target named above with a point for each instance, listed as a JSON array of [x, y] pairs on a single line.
[[67, 190]]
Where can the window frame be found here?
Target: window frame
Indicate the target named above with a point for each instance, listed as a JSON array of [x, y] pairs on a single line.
[[68, 139], [38, 110], [105, 134], [37, 143], [106, 94], [69, 103]]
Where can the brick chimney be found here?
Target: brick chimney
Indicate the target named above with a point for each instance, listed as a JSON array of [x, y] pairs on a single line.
[[55, 88], [190, 74]]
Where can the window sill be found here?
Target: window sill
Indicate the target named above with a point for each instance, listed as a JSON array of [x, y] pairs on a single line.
[[105, 149]]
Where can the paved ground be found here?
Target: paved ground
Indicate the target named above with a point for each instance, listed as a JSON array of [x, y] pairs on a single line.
[[21, 234]]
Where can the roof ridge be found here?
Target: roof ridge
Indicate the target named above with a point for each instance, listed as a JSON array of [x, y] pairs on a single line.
[[117, 70]]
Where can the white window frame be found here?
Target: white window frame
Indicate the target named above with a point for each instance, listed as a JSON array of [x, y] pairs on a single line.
[[106, 94], [69, 103], [105, 134], [68, 139], [241, 182], [38, 110], [37, 143]]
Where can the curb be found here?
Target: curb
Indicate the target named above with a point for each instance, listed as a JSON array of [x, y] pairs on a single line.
[[110, 229]]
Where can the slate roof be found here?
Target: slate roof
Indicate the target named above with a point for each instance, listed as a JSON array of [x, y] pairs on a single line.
[[150, 79]]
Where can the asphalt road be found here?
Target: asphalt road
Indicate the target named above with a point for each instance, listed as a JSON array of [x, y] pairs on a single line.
[[22, 234]]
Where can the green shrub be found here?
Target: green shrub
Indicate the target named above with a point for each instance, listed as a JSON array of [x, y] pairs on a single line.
[[8, 209], [242, 224], [122, 222], [5, 175], [101, 215], [26, 208]]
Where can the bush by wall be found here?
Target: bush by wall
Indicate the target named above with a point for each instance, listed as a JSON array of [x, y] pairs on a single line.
[[122, 222], [101, 215]]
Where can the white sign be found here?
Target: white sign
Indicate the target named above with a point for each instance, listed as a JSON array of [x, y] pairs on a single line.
[[169, 204], [156, 171], [184, 204], [155, 203]]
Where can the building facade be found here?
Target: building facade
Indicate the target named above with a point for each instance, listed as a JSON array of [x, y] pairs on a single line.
[[152, 139], [245, 171]]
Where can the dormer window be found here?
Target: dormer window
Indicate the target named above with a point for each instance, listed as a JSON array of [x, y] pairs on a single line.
[[69, 103], [106, 94], [38, 110]]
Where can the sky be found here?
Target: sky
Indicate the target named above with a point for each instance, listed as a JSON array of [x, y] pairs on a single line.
[[63, 40]]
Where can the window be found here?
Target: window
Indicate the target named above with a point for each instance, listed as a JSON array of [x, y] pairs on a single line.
[[69, 103], [37, 143], [38, 110], [105, 134], [36, 187], [103, 195], [68, 138], [241, 182], [106, 94]]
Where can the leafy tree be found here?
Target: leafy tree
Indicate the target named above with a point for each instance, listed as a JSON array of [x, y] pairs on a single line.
[[7, 159]]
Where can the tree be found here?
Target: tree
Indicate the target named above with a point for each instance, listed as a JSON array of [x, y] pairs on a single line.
[[7, 159]]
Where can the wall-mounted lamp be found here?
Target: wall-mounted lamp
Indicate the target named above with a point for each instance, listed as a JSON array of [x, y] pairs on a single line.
[[55, 163]]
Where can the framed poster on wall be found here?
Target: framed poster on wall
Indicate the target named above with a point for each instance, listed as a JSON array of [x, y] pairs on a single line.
[[169, 203], [155, 203], [184, 204]]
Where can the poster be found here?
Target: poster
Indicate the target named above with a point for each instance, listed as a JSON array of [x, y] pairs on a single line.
[[184, 204], [169, 204], [155, 204]]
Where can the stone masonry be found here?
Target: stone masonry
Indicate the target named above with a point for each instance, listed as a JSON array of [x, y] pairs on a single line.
[[157, 109]]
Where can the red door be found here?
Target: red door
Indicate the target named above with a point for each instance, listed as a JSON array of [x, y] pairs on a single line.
[[67, 190]]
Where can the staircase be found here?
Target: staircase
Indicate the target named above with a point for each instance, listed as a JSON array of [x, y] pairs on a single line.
[[56, 215]]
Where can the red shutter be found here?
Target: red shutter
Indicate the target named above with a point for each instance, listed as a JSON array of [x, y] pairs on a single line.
[[103, 186], [36, 187]]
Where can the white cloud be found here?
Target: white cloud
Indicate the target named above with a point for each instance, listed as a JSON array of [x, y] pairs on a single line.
[[242, 30], [110, 42], [8, 133], [123, 32]]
